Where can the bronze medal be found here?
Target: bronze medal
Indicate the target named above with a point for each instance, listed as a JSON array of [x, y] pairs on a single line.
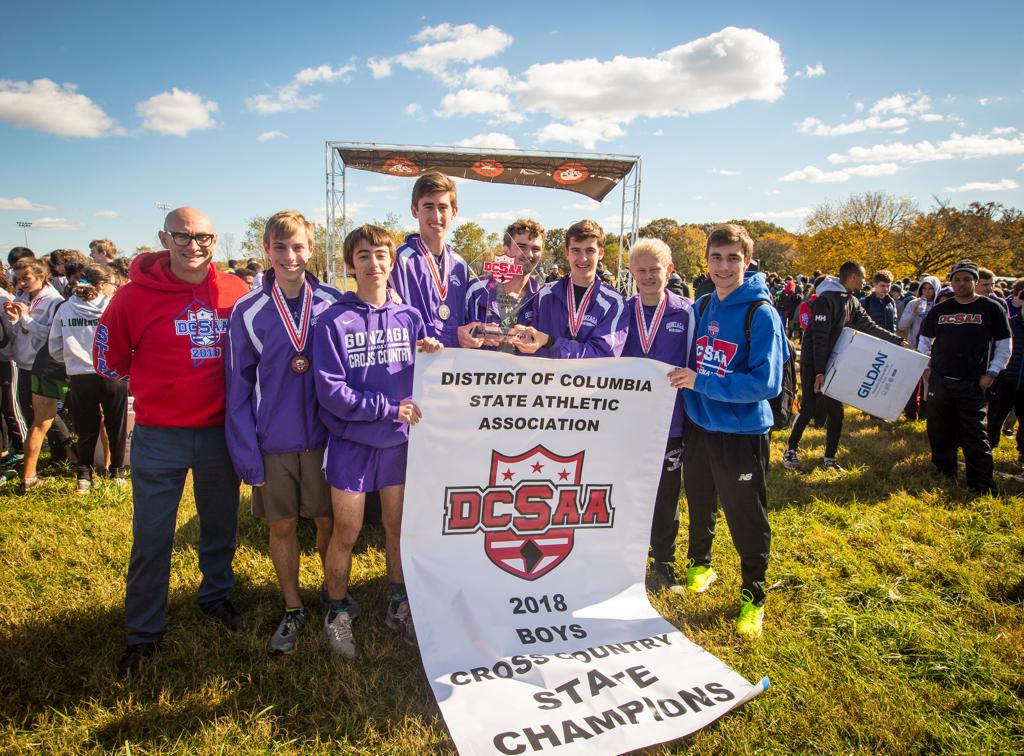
[[300, 364]]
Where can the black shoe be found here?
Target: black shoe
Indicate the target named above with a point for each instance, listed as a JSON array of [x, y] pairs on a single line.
[[663, 575], [133, 658], [227, 614]]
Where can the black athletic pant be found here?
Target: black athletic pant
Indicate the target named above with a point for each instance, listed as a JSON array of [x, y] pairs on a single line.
[[58, 435], [665, 526], [956, 417], [14, 423], [89, 392], [1003, 396], [825, 408], [731, 469]]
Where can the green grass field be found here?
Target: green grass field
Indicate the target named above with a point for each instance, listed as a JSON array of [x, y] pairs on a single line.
[[895, 623]]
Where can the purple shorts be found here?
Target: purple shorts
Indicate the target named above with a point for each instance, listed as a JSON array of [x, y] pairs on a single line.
[[355, 467]]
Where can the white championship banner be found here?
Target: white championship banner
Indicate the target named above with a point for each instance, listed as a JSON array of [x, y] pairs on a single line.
[[527, 517]]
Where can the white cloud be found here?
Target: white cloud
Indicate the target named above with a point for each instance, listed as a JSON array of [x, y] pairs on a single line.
[[773, 192], [412, 108], [491, 139], [816, 127], [176, 112], [915, 104], [380, 68], [658, 132], [479, 77], [1004, 130], [21, 203], [859, 106], [811, 72], [797, 212], [985, 186], [378, 188], [508, 215], [815, 175], [983, 101], [587, 132], [930, 117], [957, 147], [474, 102], [105, 214], [726, 172], [1020, 168], [53, 108], [56, 224], [442, 46], [707, 74], [289, 97], [266, 136], [585, 205]]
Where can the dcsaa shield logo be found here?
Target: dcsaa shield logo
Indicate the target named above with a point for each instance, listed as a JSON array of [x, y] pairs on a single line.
[[530, 510]]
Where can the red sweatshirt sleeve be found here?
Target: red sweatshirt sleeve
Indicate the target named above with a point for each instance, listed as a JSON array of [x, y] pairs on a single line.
[[112, 347]]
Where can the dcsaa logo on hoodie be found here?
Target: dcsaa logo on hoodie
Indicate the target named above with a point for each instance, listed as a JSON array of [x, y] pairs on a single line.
[[204, 329], [714, 354]]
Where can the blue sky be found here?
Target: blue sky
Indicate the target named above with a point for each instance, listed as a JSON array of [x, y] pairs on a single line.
[[738, 109]]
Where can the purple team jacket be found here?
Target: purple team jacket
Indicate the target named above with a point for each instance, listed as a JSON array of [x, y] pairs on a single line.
[[363, 359], [602, 333], [270, 409], [671, 343], [413, 281]]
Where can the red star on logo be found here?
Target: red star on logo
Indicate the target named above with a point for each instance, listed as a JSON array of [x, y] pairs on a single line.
[[564, 475], [537, 467], [507, 475]]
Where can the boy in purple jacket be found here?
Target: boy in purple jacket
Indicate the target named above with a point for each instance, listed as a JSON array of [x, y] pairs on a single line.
[[661, 328], [427, 275], [364, 349], [503, 304], [578, 315], [274, 434]]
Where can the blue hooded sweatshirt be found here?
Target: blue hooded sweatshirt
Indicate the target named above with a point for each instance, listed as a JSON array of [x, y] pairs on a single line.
[[734, 383]]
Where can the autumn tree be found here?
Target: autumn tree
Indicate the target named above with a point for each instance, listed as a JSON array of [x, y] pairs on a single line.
[[989, 234], [470, 241]]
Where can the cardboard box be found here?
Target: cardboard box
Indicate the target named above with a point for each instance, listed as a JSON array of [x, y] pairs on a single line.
[[871, 374]]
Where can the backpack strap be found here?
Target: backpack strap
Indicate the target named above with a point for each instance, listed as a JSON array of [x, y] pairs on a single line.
[[751, 309], [702, 304]]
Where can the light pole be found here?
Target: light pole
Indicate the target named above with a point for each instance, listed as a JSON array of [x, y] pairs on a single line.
[[25, 226], [163, 207]]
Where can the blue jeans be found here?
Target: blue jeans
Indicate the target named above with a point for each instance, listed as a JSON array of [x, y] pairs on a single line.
[[160, 460]]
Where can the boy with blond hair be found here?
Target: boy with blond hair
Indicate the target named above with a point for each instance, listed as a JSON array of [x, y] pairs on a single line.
[[275, 436], [365, 349], [661, 328]]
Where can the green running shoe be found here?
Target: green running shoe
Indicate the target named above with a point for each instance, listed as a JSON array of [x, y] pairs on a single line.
[[751, 620], [699, 579]]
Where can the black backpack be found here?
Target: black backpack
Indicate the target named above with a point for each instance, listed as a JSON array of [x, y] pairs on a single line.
[[783, 405]]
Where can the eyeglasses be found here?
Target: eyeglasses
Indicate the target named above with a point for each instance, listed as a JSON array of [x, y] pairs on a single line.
[[182, 239]]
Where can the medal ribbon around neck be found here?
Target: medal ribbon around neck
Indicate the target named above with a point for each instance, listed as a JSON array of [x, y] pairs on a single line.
[[298, 335], [647, 334], [442, 285], [576, 315]]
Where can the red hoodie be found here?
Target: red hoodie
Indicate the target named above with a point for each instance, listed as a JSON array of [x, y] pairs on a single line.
[[169, 338]]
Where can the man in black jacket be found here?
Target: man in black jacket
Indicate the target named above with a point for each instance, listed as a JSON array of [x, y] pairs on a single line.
[[835, 308]]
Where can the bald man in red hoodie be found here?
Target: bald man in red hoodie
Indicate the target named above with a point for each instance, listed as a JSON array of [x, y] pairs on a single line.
[[165, 332]]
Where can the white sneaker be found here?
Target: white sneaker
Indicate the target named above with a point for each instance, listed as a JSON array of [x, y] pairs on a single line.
[[790, 460], [339, 634]]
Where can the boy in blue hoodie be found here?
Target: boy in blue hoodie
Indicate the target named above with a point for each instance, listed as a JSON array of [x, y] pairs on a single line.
[[735, 368], [364, 348]]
